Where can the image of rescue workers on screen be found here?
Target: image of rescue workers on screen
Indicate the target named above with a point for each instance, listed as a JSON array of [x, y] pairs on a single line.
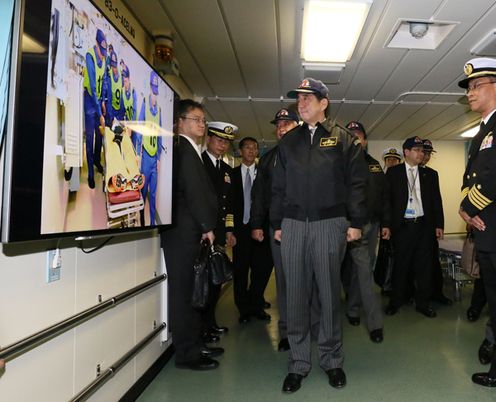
[[114, 114]]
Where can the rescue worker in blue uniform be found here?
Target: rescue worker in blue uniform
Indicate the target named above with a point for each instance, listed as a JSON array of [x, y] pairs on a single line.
[[115, 105], [94, 84], [150, 147], [128, 95], [478, 208]]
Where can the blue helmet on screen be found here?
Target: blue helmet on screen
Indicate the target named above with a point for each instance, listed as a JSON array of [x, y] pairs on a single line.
[[154, 82], [102, 42]]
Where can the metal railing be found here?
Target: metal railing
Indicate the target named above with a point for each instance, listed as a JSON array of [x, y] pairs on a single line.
[[106, 375], [54, 330]]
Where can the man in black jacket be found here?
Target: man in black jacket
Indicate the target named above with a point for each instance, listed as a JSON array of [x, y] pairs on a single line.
[[194, 219], [360, 254], [219, 137], [413, 216], [318, 184], [285, 120], [479, 185]]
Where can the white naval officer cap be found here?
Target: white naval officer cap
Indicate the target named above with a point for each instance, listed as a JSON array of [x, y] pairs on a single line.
[[478, 67], [222, 129]]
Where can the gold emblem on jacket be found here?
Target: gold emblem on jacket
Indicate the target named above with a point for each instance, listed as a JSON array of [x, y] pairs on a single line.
[[327, 142], [375, 169]]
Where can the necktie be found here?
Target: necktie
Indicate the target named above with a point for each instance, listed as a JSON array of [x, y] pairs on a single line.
[[413, 199], [217, 164], [247, 197]]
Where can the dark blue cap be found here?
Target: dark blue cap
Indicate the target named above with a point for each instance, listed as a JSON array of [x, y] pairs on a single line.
[[113, 59], [285, 114], [413, 142], [310, 86], [428, 145], [356, 126], [100, 39], [154, 82], [125, 71]]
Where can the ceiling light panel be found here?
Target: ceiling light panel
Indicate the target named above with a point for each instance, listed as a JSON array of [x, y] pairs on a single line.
[[331, 29]]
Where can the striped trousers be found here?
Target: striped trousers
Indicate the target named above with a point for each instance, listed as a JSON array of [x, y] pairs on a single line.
[[313, 251]]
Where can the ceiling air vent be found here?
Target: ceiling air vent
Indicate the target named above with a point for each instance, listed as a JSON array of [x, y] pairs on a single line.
[[410, 33]]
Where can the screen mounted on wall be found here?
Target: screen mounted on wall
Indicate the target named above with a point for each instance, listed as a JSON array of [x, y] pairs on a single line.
[[90, 145]]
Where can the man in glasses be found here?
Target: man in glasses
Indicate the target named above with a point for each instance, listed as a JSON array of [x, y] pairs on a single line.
[[413, 215], [195, 218], [478, 208]]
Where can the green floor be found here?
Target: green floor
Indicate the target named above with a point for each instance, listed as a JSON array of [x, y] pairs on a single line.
[[421, 359]]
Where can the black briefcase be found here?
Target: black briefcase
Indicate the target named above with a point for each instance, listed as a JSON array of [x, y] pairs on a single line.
[[220, 265], [199, 298]]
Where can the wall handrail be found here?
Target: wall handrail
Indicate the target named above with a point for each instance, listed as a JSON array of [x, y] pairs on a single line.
[[92, 387], [21, 346]]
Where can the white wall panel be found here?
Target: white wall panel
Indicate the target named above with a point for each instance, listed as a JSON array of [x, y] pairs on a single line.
[[27, 302], [43, 374]]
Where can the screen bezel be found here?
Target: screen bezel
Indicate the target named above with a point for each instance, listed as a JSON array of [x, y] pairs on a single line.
[[11, 169]]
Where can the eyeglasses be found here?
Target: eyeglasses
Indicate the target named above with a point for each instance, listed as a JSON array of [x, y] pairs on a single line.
[[477, 85], [196, 119]]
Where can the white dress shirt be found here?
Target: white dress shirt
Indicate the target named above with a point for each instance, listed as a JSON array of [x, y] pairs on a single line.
[[413, 210]]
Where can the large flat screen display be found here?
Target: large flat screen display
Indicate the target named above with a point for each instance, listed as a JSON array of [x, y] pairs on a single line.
[[91, 140]]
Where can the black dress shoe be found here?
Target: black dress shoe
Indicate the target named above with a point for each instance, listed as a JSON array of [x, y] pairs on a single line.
[[202, 363], [91, 182], [283, 345], [292, 383], [244, 318], [210, 338], [486, 352], [337, 377], [484, 379], [473, 314], [355, 321], [211, 352], [427, 311], [262, 315], [391, 310], [216, 330], [377, 335], [267, 305]]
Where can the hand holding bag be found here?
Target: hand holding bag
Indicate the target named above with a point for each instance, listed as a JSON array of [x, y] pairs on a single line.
[[469, 254], [220, 265], [200, 294]]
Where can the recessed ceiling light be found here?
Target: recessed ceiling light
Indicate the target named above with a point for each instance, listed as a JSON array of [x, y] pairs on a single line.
[[331, 29]]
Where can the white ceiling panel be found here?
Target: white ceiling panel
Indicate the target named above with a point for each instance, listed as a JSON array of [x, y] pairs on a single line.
[[255, 61]]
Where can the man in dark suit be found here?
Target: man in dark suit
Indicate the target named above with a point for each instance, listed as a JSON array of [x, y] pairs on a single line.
[[413, 215], [194, 219], [219, 138], [251, 258], [478, 208], [261, 194]]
